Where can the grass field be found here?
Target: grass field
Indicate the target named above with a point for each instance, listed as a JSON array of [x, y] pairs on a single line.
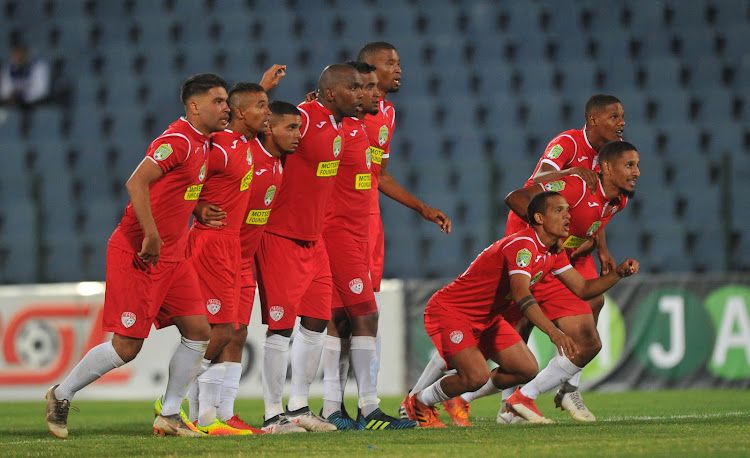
[[664, 423]]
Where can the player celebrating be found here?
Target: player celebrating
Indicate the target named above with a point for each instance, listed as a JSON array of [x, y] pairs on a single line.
[[465, 320], [148, 279], [292, 268]]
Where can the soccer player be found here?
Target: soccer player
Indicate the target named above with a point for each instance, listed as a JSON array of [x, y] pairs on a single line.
[[465, 319], [215, 250], [354, 311], [149, 281], [293, 273], [619, 170]]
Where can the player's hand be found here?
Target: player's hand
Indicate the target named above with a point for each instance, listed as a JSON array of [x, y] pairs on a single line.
[[272, 76], [150, 249], [627, 268], [584, 250], [607, 263], [563, 343], [438, 217], [589, 176], [209, 214], [311, 96]]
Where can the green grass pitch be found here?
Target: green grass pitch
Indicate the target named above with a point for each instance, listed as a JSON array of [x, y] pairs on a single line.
[[660, 423]]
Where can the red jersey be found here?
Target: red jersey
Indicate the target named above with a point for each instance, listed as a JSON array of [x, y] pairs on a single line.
[[301, 202], [483, 291], [349, 206], [379, 128], [230, 173], [181, 153], [569, 149], [268, 172]]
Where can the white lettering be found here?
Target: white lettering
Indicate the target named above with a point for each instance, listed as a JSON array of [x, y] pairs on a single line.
[[735, 317], [663, 358]]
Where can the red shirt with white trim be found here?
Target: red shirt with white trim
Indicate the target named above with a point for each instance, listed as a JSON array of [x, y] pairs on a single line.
[[310, 174], [483, 291], [181, 153], [569, 149], [379, 129]]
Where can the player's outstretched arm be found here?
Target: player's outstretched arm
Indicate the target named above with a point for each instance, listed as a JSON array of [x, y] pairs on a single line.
[[138, 189], [588, 289], [548, 173], [518, 200], [519, 290], [272, 76], [390, 187], [605, 258], [209, 214]]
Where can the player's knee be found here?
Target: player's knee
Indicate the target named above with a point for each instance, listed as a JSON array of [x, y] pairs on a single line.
[[528, 371], [221, 334], [475, 379], [239, 336], [127, 350]]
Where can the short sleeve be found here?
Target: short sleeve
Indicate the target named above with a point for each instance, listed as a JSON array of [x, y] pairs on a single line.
[[572, 188], [561, 264], [560, 152], [168, 151], [305, 121], [518, 256]]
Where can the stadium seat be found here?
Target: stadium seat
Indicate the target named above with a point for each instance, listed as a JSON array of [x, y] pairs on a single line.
[[62, 260], [667, 251], [715, 105], [707, 254], [729, 13], [661, 73], [696, 44], [735, 38], [670, 105]]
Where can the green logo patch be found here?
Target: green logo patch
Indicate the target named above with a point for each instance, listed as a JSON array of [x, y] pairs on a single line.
[[383, 135], [163, 152], [523, 257], [337, 146], [556, 186], [555, 152]]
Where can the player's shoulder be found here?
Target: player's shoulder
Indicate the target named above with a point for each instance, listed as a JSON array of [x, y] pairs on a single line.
[[523, 239]]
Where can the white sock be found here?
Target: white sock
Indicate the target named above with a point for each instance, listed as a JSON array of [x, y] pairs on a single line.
[[209, 393], [557, 371], [332, 394], [508, 392], [232, 374], [432, 394], [97, 362], [183, 369], [576, 379], [488, 389], [344, 365], [431, 373], [306, 351], [377, 335], [193, 402], [364, 363], [275, 362]]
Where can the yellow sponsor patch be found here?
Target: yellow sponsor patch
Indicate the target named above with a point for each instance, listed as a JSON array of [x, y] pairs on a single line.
[[258, 217], [574, 242], [193, 192], [363, 181], [328, 169], [247, 179], [377, 155]]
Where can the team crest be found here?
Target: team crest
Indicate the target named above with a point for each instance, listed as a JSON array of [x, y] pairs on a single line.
[[383, 135], [536, 278], [594, 227], [276, 312], [523, 257], [127, 319], [356, 286], [249, 157], [555, 152], [270, 192], [163, 152], [337, 146], [613, 210], [457, 336], [368, 157], [556, 186], [213, 306], [202, 174]]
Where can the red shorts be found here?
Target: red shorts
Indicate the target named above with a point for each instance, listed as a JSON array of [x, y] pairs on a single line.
[[216, 260], [556, 300], [351, 277], [377, 250], [247, 294], [452, 332], [135, 298], [294, 279]]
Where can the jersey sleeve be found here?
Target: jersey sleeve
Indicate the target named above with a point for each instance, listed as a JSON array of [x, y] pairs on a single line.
[[560, 152], [561, 264], [517, 255], [168, 151], [305, 121], [572, 188], [217, 160]]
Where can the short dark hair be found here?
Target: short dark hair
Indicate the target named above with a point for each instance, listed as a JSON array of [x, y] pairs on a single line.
[[613, 150], [200, 84], [242, 88], [538, 204], [279, 107], [362, 67], [599, 102], [332, 75], [373, 47]]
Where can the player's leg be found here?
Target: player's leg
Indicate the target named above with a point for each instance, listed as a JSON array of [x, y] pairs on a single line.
[[336, 367], [433, 371], [523, 327]]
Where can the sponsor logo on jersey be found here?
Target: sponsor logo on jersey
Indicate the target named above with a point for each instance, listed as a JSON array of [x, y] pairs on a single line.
[[614, 209], [556, 186], [377, 155], [321, 124], [354, 133], [276, 312], [258, 217], [202, 173], [163, 152], [583, 158], [249, 157], [368, 157], [383, 135], [193, 192], [261, 172], [523, 257], [574, 242], [356, 285], [270, 192], [536, 278], [363, 181], [555, 152], [337, 146], [456, 336], [327, 169], [594, 227], [593, 204], [213, 306], [247, 179], [127, 319]]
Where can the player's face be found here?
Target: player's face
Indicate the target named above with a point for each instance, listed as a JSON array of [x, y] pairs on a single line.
[[370, 92], [256, 113], [609, 123], [624, 172], [347, 94], [556, 220], [211, 109], [388, 69], [285, 132]]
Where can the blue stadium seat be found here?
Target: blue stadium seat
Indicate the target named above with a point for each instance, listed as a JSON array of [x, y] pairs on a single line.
[[667, 250], [661, 73], [688, 15], [716, 105], [697, 44], [536, 77], [580, 77], [620, 74], [18, 248], [483, 19], [62, 262], [646, 16], [727, 138], [683, 143], [737, 37], [707, 75], [730, 13], [672, 105], [46, 123], [707, 254]]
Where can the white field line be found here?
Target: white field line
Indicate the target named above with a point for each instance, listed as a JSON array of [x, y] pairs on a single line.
[[705, 416]]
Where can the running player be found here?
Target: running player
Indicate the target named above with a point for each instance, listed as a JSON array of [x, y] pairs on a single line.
[[465, 319], [149, 281]]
